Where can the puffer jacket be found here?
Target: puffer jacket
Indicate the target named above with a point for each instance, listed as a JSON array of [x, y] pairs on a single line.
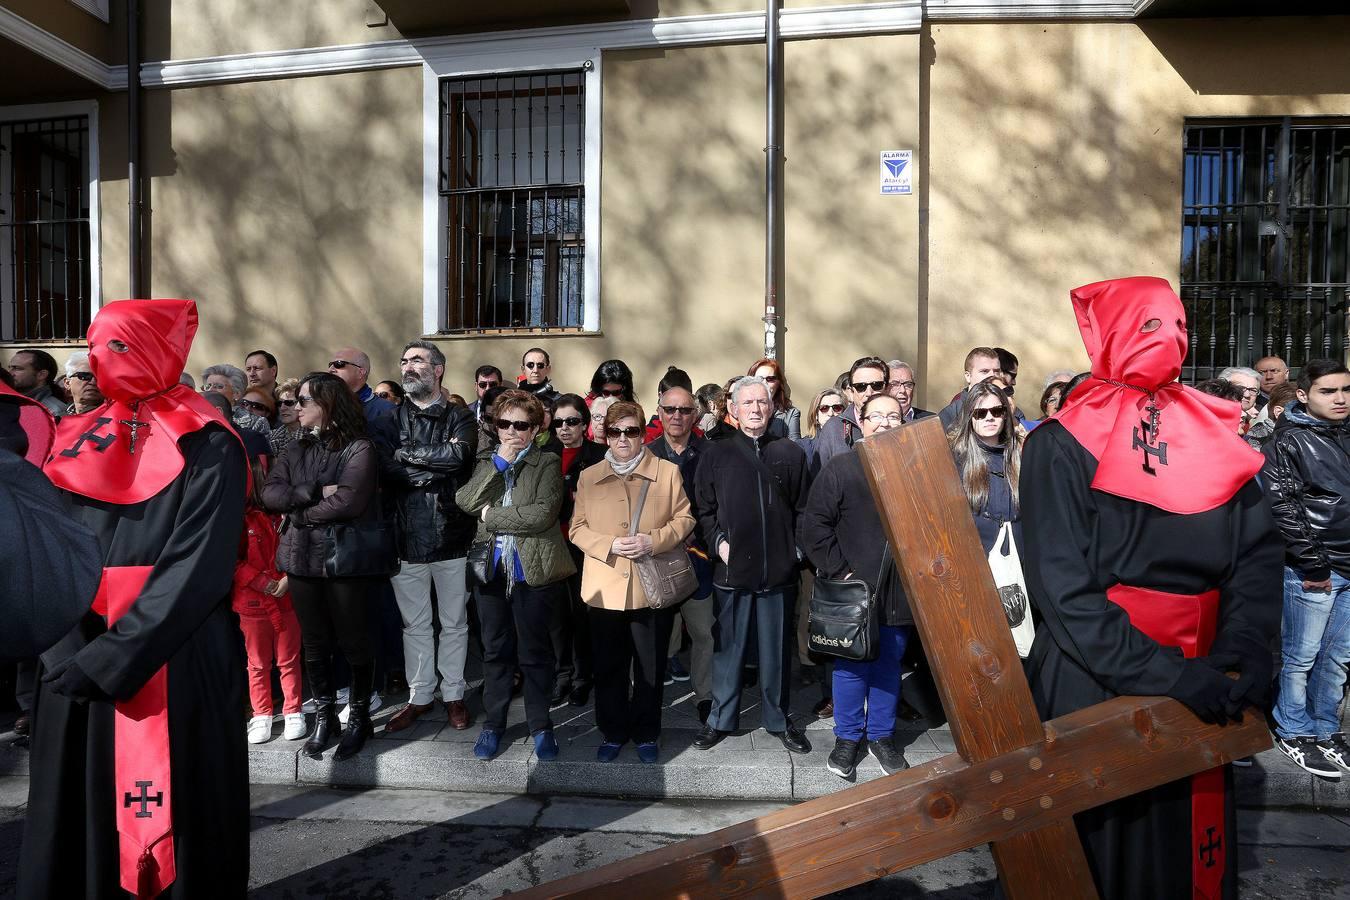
[[1307, 475], [434, 457], [256, 569], [532, 516], [295, 487]]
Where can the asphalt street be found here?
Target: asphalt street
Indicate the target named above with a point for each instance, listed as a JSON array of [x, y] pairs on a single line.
[[426, 844]]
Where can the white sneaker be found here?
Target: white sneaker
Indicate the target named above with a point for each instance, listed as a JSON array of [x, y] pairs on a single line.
[[375, 703], [295, 727], [259, 729]]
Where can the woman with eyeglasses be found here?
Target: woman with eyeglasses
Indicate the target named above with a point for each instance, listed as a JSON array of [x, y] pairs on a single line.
[[787, 418], [391, 391], [987, 445], [612, 379], [259, 402], [571, 637], [516, 492], [288, 419], [1052, 398], [841, 533], [596, 426], [231, 383], [629, 638], [327, 476]]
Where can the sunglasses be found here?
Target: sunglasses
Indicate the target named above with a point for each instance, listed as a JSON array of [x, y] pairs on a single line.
[[83, 376], [604, 392], [682, 410], [303, 401], [569, 421], [342, 364], [488, 385], [517, 424], [835, 408], [991, 412], [535, 365], [384, 395], [288, 403], [861, 386], [631, 431], [255, 406]]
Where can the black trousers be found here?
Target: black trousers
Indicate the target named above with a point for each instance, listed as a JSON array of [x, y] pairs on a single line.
[[629, 643], [733, 634], [570, 631], [334, 613], [516, 633]]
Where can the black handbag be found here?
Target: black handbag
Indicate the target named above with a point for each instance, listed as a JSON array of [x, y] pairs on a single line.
[[843, 619], [363, 548], [478, 561]]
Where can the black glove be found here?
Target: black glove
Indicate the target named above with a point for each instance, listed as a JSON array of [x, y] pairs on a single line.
[[1253, 687], [1205, 689], [306, 495], [71, 682]]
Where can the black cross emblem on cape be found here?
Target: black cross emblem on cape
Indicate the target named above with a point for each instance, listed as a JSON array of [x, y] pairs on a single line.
[[145, 799], [101, 442], [1208, 849]]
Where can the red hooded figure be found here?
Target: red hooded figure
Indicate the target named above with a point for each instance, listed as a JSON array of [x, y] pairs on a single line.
[[138, 777], [1154, 566]]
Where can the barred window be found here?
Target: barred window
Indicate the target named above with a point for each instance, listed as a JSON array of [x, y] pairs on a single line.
[[1265, 241], [512, 151], [45, 265]]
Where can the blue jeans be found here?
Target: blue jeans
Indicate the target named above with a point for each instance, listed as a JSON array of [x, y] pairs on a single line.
[[866, 693], [1314, 651]]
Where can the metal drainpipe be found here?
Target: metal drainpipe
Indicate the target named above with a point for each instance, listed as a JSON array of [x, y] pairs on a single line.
[[773, 238], [134, 147]]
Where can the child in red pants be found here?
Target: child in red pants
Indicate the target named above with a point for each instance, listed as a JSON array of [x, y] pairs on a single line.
[[271, 630]]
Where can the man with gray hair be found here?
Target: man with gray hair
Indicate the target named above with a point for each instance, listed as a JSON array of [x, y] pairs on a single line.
[[83, 388], [230, 382], [433, 456], [900, 385], [1249, 382], [748, 491]]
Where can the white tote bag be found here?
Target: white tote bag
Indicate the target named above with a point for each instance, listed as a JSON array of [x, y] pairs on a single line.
[[1012, 589]]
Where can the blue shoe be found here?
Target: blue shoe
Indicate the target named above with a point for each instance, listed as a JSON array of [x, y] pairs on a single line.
[[648, 752], [486, 748], [607, 752], [545, 745]]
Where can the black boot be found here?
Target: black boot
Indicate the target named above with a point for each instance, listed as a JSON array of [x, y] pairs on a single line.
[[358, 729], [325, 712]]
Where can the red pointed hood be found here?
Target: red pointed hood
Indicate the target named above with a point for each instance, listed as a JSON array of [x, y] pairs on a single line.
[[139, 347], [1134, 330]]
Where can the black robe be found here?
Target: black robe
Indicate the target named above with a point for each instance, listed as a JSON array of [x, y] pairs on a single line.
[[190, 533], [1078, 543]]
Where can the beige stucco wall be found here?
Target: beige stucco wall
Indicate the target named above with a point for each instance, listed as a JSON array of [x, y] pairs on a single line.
[[1055, 161]]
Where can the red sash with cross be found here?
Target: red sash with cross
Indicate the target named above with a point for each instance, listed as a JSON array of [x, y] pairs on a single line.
[[1189, 623], [142, 783]]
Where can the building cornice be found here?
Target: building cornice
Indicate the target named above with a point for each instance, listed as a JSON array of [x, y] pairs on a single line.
[[64, 54], [957, 10]]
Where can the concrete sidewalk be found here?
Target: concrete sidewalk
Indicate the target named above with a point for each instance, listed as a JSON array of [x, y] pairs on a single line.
[[749, 765]]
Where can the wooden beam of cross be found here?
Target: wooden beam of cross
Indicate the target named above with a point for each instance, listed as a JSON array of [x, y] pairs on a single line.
[[1014, 781]]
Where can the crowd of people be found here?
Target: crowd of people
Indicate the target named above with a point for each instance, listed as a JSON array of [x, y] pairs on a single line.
[[390, 525]]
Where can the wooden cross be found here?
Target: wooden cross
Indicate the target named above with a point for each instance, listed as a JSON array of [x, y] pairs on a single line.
[[1014, 782]]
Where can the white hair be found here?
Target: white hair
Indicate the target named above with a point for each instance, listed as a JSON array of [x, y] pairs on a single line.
[[1059, 375], [238, 380], [899, 364], [1228, 373], [746, 381], [77, 362]]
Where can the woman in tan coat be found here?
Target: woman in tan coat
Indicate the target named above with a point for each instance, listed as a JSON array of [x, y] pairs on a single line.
[[628, 636]]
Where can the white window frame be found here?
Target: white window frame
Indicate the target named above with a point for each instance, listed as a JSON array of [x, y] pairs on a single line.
[[87, 108], [443, 62]]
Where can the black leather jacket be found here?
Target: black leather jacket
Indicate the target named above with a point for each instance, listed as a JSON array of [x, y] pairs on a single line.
[[433, 458], [1307, 475]]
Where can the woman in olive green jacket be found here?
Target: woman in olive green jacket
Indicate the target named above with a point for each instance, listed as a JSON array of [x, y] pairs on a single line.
[[516, 492]]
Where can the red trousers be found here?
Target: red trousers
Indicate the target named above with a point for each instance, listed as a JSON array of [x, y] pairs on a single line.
[[265, 645]]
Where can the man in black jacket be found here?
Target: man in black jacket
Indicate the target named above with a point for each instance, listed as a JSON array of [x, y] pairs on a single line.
[[1307, 475], [434, 456], [749, 490]]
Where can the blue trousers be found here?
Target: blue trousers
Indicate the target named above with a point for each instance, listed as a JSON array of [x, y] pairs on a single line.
[[1314, 651], [866, 693]]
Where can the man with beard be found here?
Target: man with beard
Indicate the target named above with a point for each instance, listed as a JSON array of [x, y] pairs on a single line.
[[139, 775], [433, 457], [1152, 556]]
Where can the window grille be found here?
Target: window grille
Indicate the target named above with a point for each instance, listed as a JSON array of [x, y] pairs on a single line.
[[44, 229], [1265, 242], [512, 151]]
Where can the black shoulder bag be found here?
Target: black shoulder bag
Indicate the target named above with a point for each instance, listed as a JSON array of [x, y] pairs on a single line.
[[843, 619], [361, 548]]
